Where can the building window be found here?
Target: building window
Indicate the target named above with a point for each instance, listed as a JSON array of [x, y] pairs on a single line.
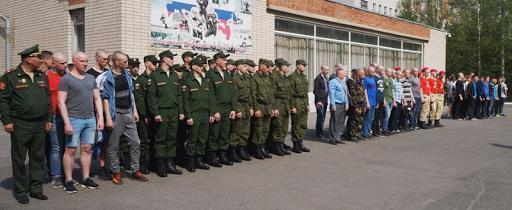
[[374, 7], [385, 10], [78, 32], [293, 48], [396, 12], [294, 27], [364, 4], [380, 8]]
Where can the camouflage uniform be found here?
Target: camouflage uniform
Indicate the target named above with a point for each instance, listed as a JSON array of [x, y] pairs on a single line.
[[357, 109]]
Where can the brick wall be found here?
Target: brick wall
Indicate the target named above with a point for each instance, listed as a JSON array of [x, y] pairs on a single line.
[[352, 15]]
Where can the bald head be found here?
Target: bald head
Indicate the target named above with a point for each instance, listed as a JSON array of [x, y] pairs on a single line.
[[324, 69], [60, 61], [80, 62]]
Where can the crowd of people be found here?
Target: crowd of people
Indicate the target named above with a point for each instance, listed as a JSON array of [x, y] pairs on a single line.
[[205, 112]]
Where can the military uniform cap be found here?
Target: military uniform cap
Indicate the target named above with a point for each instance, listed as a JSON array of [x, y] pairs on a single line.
[[220, 55], [188, 54], [133, 61], [301, 62], [264, 61], [30, 52], [281, 62], [251, 62], [166, 53], [151, 58], [197, 61], [241, 62], [178, 67], [231, 62]]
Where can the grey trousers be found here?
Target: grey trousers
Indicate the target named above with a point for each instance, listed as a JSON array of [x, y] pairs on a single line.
[[337, 122], [124, 124]]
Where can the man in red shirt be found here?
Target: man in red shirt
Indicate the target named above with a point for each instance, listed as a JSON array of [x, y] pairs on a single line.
[[425, 97], [54, 149], [440, 98], [432, 81]]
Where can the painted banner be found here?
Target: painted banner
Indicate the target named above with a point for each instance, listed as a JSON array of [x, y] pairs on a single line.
[[203, 25]]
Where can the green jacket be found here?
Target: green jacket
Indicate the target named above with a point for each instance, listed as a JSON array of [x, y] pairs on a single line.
[[22, 98], [198, 99], [164, 92], [140, 93], [223, 90], [262, 93], [282, 91], [299, 87], [243, 91]]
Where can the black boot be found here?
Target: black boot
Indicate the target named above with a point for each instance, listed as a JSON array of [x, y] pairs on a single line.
[[233, 156], [200, 164], [190, 166], [161, 170], [286, 147], [242, 153], [276, 149], [296, 147], [212, 160], [422, 125], [171, 167], [258, 154], [285, 151], [224, 160], [429, 126], [438, 124], [265, 151], [302, 147], [144, 169]]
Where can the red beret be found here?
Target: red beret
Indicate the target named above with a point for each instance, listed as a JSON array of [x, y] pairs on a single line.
[[397, 68], [433, 70], [442, 71], [425, 68]]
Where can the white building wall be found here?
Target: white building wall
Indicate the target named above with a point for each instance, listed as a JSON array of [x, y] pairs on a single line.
[[434, 54]]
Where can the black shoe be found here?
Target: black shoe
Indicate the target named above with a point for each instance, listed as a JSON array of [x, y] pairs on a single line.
[[430, 124], [438, 124], [103, 174], [161, 170], [285, 151], [233, 155], [200, 164], [88, 183], [333, 142], [190, 165], [223, 157], [265, 151], [39, 196], [423, 125], [212, 160], [302, 147], [144, 169], [171, 167], [296, 147], [23, 199], [287, 147], [276, 149], [69, 186], [242, 153], [258, 154]]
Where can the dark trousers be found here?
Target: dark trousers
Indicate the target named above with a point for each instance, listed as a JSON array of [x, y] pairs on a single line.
[[377, 120], [395, 117], [405, 116], [320, 118], [457, 108], [472, 108]]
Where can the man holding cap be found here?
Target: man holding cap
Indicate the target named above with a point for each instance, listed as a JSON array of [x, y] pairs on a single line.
[[299, 106], [224, 93], [26, 113], [165, 104]]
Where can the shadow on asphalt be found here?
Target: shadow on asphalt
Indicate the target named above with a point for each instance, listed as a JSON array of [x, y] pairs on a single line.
[[502, 146], [7, 184]]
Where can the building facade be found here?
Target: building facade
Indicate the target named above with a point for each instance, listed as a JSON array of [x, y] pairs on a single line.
[[319, 31]]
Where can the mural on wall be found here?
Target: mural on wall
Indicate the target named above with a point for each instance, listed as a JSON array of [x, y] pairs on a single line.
[[204, 25]]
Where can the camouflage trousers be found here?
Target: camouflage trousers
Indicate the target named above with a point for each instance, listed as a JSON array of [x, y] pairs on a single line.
[[355, 121]]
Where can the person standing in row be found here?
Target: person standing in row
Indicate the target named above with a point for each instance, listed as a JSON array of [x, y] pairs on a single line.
[[300, 106], [440, 80], [379, 111], [321, 92], [165, 104], [459, 97], [370, 87], [416, 93], [425, 98], [282, 94], [338, 96], [26, 113], [357, 107]]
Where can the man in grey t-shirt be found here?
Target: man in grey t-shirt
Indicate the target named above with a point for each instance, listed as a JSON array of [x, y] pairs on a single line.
[[78, 95], [416, 93]]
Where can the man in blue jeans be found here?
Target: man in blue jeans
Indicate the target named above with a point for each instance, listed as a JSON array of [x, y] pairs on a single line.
[[370, 86], [321, 91], [416, 93]]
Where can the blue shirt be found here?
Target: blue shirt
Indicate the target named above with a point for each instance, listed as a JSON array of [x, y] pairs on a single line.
[[485, 88], [338, 91], [370, 85]]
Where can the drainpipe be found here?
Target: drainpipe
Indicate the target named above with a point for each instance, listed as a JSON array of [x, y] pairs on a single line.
[[6, 43]]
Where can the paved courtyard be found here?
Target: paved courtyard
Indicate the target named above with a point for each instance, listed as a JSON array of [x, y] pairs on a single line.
[[466, 165]]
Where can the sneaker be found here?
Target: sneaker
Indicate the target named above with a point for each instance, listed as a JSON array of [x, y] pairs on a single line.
[[56, 182], [139, 177], [69, 186], [116, 179], [88, 183]]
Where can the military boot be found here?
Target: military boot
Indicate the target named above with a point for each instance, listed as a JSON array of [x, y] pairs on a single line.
[[233, 156], [284, 150], [212, 160], [224, 160], [438, 124], [200, 164], [276, 149], [265, 151], [429, 126], [258, 154], [423, 125], [190, 165], [302, 147], [161, 170], [171, 167], [243, 153], [296, 147]]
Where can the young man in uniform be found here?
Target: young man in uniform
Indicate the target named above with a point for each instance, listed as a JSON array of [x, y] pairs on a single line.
[[299, 106], [282, 94], [357, 107], [425, 97]]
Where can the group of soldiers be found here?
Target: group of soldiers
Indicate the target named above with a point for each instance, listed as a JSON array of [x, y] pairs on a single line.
[[204, 112]]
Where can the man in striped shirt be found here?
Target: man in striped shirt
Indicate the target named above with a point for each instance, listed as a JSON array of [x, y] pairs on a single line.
[[408, 100]]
